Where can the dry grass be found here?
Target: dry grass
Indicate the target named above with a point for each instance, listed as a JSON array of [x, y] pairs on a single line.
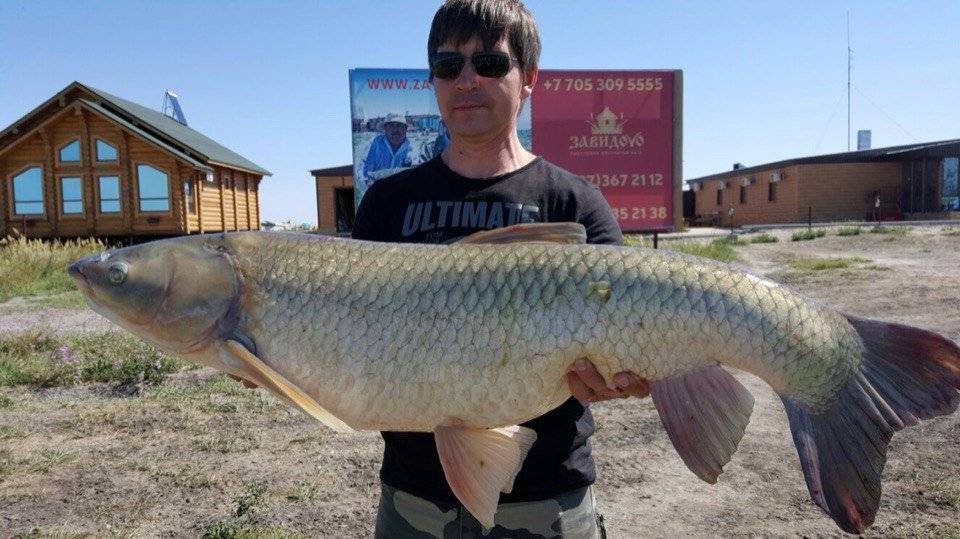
[[39, 268]]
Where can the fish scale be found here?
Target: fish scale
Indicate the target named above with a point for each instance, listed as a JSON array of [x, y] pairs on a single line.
[[501, 291]]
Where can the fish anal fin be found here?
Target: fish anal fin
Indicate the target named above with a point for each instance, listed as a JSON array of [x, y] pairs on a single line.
[[479, 464], [262, 374], [561, 233], [705, 413]]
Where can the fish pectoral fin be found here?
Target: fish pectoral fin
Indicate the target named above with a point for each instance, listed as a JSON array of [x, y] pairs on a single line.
[[479, 464], [562, 233], [705, 413], [260, 373]]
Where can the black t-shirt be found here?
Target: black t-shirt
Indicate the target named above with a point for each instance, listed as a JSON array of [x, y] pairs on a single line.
[[432, 204]]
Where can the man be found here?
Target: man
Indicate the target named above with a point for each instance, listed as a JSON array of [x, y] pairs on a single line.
[[483, 60], [389, 150]]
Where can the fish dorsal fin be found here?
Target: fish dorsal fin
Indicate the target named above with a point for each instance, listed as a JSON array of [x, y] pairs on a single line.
[[562, 233], [705, 413], [479, 464], [260, 373]]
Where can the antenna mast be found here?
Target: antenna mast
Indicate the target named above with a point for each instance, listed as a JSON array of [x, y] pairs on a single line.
[[849, 53]]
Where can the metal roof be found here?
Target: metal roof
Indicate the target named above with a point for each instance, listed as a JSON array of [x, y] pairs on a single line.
[[345, 170], [889, 153], [147, 136]]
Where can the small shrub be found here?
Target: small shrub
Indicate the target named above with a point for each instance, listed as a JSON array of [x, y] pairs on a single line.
[[50, 458], [820, 264], [36, 358], [719, 249], [805, 235], [849, 231], [10, 433], [894, 230], [764, 238], [250, 498]]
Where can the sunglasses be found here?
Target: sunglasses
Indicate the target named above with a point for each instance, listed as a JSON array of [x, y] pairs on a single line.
[[448, 65]]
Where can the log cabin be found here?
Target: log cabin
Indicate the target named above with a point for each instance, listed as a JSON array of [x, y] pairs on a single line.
[[86, 163]]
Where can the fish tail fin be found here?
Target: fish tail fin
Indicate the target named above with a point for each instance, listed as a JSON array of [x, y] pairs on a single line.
[[907, 374]]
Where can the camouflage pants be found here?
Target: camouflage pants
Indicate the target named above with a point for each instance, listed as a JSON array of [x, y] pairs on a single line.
[[405, 516]]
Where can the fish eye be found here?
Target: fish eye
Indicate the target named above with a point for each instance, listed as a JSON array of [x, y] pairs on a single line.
[[117, 273]]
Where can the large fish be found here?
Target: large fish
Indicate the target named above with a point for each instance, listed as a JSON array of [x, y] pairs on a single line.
[[470, 340]]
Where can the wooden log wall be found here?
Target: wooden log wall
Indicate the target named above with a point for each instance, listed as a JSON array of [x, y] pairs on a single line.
[[228, 202]]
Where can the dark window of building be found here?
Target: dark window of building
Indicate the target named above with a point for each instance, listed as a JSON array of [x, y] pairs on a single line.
[[152, 185], [109, 194], [719, 197], [343, 208], [70, 153], [743, 194], [28, 192], [71, 199], [772, 193]]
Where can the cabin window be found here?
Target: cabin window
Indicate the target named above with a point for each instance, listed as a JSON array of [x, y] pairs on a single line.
[[70, 196], [106, 151], [719, 197], [772, 194], [70, 153], [28, 192], [188, 196], [152, 186], [743, 194], [109, 194]]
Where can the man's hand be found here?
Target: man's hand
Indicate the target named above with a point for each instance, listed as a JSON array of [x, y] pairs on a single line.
[[587, 385], [246, 383]]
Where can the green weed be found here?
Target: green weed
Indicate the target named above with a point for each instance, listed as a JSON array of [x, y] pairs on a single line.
[[49, 458], [719, 249], [764, 238], [10, 433], [805, 235], [894, 230], [251, 497], [37, 358], [820, 264], [849, 231]]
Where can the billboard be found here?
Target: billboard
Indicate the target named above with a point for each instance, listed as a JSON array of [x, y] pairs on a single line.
[[618, 129], [396, 123], [621, 131]]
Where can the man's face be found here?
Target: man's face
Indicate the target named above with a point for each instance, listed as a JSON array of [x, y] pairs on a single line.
[[395, 132], [478, 107]]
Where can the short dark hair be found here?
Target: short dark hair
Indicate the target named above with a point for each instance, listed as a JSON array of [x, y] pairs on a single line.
[[458, 21]]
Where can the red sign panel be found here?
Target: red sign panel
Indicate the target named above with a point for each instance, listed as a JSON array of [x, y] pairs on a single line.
[[617, 129]]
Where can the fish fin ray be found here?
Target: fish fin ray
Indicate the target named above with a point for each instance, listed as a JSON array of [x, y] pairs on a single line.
[[705, 413], [479, 464], [562, 233], [907, 374], [261, 373]]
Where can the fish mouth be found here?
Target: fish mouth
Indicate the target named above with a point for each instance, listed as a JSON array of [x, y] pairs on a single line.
[[75, 271]]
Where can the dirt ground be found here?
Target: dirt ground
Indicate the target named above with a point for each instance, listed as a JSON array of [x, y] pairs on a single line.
[[200, 454]]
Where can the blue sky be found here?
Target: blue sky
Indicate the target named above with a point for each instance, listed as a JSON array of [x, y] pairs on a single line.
[[762, 80]]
